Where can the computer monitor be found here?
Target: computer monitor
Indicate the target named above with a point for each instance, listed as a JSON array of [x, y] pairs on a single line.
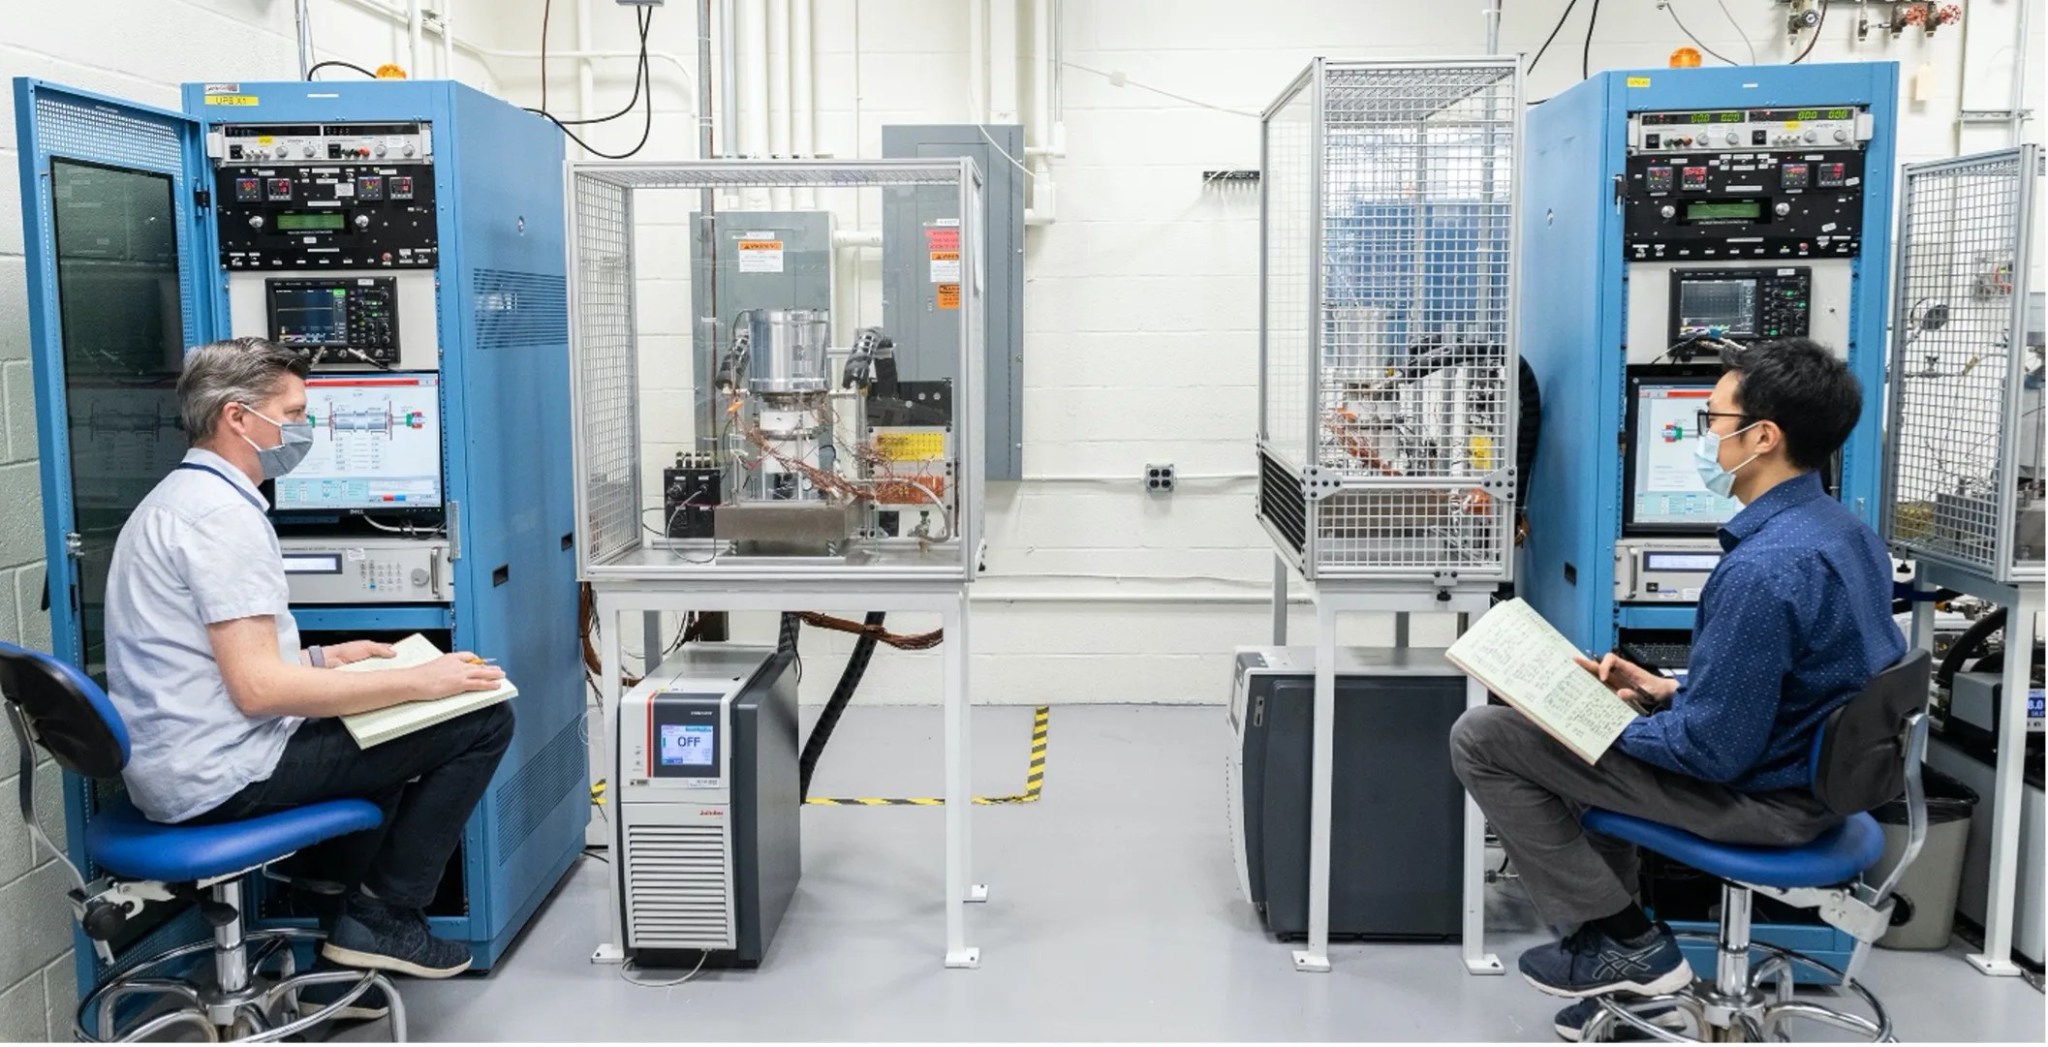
[[376, 445], [1662, 492]]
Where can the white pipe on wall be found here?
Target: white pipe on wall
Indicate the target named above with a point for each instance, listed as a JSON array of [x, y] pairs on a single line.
[[447, 39], [780, 57], [803, 90], [977, 61], [415, 28], [1002, 52], [1045, 125], [753, 62], [586, 74], [728, 73]]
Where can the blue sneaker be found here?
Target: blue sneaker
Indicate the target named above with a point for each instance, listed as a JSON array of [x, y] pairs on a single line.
[[1570, 1023], [371, 934], [1590, 963]]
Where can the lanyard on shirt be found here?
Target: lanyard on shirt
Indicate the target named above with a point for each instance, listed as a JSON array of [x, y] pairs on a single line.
[[250, 498]]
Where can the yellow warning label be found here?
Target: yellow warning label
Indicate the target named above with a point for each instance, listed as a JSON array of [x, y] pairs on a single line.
[[1791, 125], [910, 447], [230, 99], [1481, 450], [948, 296], [1639, 81]]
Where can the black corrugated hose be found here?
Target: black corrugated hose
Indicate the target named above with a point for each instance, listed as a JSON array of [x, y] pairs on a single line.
[[1967, 646], [842, 695]]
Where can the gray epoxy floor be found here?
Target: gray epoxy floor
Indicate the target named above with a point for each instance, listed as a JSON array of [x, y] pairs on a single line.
[[1115, 916]]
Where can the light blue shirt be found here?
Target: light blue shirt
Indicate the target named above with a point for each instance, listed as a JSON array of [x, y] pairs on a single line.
[[198, 550]]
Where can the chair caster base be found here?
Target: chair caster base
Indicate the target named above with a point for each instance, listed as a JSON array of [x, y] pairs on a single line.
[[266, 1009], [1760, 1012]]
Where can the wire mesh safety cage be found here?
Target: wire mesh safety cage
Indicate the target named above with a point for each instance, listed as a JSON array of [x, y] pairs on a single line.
[[1964, 466], [801, 458], [1388, 366]]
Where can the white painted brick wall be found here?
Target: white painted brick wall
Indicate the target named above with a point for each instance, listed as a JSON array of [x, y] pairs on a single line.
[[140, 50]]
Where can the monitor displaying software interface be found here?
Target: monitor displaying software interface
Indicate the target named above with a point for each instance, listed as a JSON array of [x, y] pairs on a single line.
[[1665, 493], [376, 445]]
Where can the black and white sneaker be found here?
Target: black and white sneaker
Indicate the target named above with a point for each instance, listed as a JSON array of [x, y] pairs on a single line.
[[1589, 963]]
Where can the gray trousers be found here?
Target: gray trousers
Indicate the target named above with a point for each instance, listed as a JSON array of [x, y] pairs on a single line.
[[1533, 789]]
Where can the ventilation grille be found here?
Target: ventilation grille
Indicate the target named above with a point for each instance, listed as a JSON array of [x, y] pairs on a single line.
[[556, 774], [676, 893], [103, 132], [1280, 501], [519, 310]]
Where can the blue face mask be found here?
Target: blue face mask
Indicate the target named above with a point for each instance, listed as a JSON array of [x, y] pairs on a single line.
[[1706, 457], [295, 441]]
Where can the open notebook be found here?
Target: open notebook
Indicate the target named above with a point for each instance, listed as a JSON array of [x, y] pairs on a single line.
[[1520, 657], [381, 725]]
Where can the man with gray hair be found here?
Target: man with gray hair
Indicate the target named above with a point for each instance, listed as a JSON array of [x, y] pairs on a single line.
[[229, 718]]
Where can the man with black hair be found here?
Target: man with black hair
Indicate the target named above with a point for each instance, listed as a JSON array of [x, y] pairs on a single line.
[[1791, 625]]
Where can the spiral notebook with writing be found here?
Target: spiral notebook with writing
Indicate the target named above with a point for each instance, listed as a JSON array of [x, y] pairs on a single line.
[[1525, 661], [381, 725]]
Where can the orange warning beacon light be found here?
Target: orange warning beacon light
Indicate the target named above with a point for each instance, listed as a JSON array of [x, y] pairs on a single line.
[[1685, 58]]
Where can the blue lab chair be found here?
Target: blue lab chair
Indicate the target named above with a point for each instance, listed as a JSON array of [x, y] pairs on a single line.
[[1866, 753], [53, 705]]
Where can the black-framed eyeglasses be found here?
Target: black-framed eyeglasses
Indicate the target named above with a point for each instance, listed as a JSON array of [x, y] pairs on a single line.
[[1705, 418]]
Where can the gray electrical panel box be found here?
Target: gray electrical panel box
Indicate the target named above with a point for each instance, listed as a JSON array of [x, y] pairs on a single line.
[[766, 260], [927, 338]]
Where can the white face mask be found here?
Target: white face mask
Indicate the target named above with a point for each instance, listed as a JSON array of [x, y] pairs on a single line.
[[295, 440], [1706, 457]]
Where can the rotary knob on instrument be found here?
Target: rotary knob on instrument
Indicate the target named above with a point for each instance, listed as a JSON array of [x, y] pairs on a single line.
[[255, 221], [1782, 209], [1841, 134], [363, 221], [1733, 138], [1668, 211]]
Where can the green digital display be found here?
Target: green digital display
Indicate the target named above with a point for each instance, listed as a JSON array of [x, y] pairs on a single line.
[[1728, 116], [309, 222], [1724, 210], [1822, 114]]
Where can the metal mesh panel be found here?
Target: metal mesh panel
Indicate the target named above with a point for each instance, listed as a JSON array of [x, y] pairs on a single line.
[[635, 326], [608, 384], [68, 126], [1965, 448], [1289, 185], [1413, 388]]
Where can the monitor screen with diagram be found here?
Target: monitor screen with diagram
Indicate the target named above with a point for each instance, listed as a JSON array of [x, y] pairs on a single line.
[[376, 445], [1664, 493]]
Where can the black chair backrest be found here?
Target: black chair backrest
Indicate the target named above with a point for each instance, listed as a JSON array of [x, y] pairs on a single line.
[[69, 714], [1860, 756]]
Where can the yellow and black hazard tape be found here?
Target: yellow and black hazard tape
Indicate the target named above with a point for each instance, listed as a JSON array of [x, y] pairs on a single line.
[[1034, 780]]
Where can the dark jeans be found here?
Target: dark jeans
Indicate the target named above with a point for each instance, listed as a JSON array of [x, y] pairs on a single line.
[[1533, 790], [427, 782]]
